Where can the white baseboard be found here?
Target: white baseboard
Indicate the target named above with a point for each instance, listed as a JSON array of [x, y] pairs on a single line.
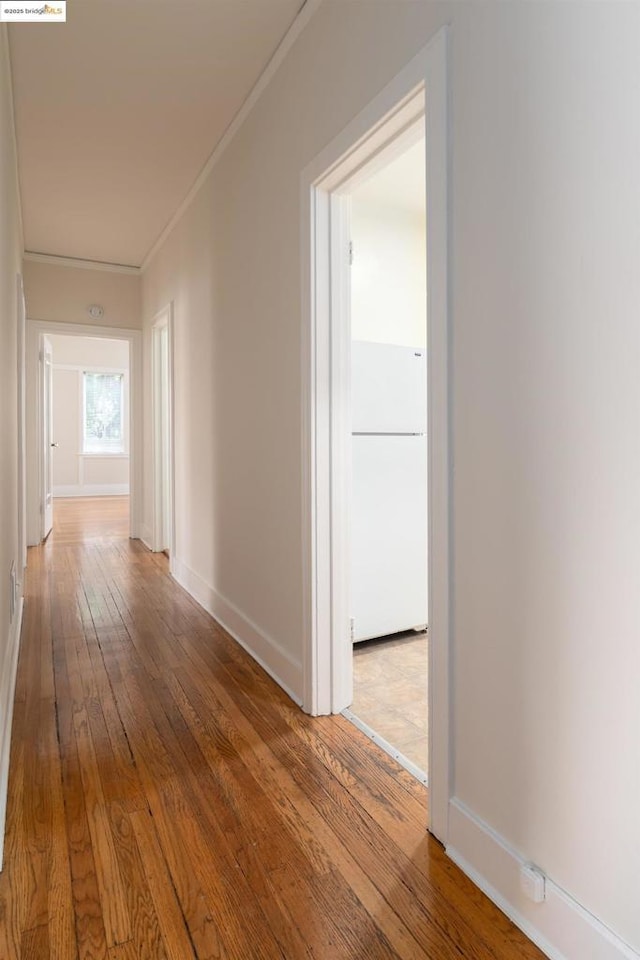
[[7, 693], [280, 665], [561, 927], [92, 490]]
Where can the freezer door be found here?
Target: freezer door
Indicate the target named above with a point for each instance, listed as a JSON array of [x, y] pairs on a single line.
[[388, 388], [388, 535]]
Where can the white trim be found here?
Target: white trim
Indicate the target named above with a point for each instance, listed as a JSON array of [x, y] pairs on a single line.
[[102, 456], [326, 354], [340, 438], [53, 327], [88, 368], [420, 89], [163, 319], [102, 265], [315, 500], [35, 329], [440, 466], [7, 696], [21, 320], [388, 748], [376, 135], [561, 927], [146, 535], [301, 20], [278, 663], [91, 490], [45, 433]]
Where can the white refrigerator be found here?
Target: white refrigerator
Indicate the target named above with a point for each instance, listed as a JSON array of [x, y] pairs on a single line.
[[389, 489]]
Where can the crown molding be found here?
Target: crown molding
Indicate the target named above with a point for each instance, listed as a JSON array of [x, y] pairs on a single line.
[[301, 20], [83, 264]]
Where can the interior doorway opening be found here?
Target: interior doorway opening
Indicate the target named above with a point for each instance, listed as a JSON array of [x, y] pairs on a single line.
[[163, 440], [389, 455], [415, 98], [86, 419], [48, 443], [82, 418]]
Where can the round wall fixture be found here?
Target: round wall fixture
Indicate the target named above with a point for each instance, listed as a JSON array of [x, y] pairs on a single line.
[[95, 311]]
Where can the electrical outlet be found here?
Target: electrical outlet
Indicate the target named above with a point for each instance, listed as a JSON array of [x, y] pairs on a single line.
[[533, 882]]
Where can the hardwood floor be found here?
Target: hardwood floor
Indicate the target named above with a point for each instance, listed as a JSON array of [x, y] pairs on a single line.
[[168, 801]]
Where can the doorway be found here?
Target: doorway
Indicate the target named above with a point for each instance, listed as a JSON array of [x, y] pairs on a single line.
[[47, 438], [162, 399], [75, 470], [389, 463], [86, 401], [415, 99]]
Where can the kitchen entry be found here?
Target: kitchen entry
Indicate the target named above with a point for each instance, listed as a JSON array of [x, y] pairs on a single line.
[[388, 507]]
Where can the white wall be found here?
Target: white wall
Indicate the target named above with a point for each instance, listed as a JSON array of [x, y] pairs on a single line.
[[389, 270], [75, 473], [89, 351], [546, 402], [10, 264], [62, 294]]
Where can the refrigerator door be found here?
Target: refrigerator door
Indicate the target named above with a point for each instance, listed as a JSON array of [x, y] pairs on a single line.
[[388, 388], [388, 535]]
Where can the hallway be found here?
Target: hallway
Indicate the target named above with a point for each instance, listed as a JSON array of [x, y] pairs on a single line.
[[167, 800]]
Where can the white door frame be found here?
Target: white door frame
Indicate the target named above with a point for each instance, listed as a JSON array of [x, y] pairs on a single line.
[[45, 409], [35, 428], [418, 91], [22, 484], [162, 321]]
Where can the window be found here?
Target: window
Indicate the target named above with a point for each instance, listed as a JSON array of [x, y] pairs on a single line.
[[103, 412]]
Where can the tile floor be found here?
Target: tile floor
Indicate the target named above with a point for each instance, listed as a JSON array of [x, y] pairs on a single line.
[[390, 691]]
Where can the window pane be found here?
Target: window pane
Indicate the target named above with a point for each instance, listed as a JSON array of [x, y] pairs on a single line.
[[103, 413]]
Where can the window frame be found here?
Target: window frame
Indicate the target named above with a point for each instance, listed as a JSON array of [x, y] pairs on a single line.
[[123, 451]]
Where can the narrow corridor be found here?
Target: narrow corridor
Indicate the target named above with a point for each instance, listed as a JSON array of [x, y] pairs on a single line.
[[167, 800]]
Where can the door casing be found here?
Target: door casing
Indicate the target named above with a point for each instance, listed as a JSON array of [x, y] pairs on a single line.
[[34, 427], [22, 484], [163, 431], [46, 409], [417, 95]]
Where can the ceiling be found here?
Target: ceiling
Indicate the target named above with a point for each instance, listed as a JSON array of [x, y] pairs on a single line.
[[118, 110]]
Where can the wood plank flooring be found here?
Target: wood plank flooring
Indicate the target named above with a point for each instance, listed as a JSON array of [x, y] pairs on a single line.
[[168, 801]]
